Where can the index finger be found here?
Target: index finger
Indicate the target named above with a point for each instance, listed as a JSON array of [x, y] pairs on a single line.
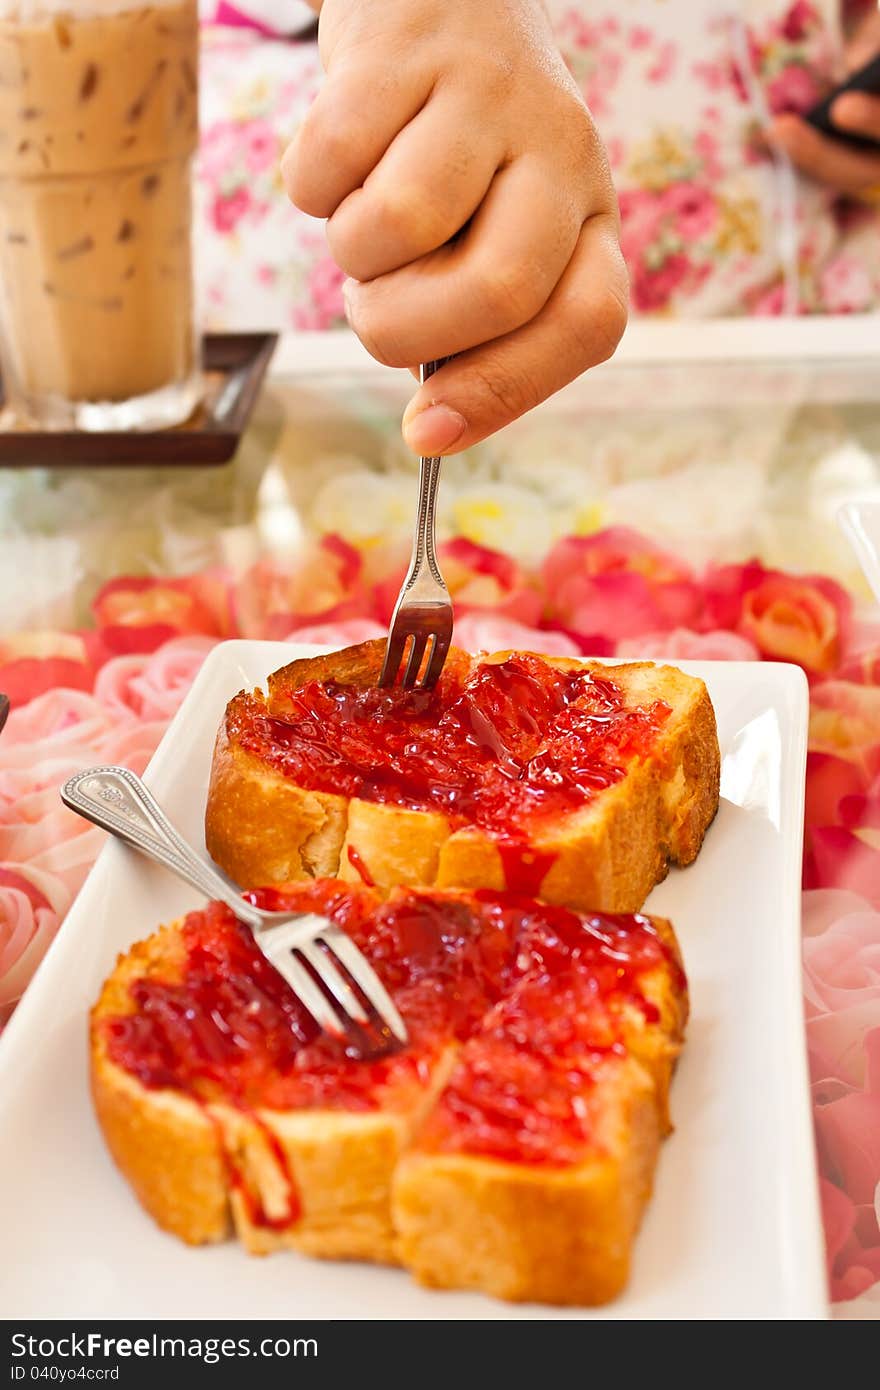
[[823, 158]]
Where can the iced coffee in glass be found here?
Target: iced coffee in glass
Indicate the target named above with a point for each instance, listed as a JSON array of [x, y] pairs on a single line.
[[98, 126]]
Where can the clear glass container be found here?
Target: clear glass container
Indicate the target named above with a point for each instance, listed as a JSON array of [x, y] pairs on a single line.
[[98, 127]]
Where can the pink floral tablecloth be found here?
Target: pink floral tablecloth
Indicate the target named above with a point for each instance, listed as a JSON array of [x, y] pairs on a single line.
[[713, 222], [104, 692]]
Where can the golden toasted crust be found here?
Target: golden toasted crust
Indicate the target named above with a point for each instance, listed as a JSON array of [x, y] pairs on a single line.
[[365, 1189], [191, 1165], [161, 1142], [262, 828], [522, 1233]]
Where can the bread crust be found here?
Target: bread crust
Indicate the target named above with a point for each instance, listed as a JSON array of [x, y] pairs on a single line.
[[261, 827], [162, 1143], [521, 1233], [367, 1191], [204, 1171]]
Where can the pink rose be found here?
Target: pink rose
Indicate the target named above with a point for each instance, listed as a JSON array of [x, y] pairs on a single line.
[[693, 207], [641, 215], [132, 745], [843, 780], [137, 613], [483, 580], [846, 286], [848, 1140], [799, 618], [799, 19], [480, 580], [346, 633], [34, 662], [58, 719], [654, 286], [152, 687], [770, 303], [794, 89], [841, 984], [324, 584], [35, 821], [325, 294], [261, 146], [853, 1267], [616, 585], [841, 955], [845, 720], [683, 644], [664, 64], [227, 210], [489, 632], [31, 906], [217, 147]]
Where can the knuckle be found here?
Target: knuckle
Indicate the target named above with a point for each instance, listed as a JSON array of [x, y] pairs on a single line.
[[294, 175], [347, 247], [498, 75], [377, 332], [511, 294], [596, 325], [324, 146], [406, 215]]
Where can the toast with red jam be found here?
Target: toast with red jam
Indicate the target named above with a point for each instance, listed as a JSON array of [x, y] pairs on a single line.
[[509, 1148], [571, 781]]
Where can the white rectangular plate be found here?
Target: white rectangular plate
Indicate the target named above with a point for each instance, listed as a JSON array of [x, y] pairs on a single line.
[[733, 1229]]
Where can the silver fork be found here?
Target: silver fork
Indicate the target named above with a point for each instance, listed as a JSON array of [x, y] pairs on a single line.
[[117, 800], [423, 612]]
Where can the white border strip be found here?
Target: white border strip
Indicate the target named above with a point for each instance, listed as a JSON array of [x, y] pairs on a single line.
[[849, 338]]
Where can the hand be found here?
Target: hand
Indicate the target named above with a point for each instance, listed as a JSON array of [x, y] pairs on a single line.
[[469, 201], [820, 156]]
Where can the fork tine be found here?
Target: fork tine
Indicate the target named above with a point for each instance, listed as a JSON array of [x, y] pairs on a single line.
[[436, 660], [416, 655], [276, 947], [365, 978], [333, 980], [394, 650]]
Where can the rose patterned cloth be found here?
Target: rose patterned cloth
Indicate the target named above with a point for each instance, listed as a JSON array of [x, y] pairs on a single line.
[[712, 223]]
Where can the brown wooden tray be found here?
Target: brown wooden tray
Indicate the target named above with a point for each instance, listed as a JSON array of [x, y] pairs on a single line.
[[233, 365]]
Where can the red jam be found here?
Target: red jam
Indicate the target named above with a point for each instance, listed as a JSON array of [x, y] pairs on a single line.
[[535, 993], [522, 1087], [495, 745]]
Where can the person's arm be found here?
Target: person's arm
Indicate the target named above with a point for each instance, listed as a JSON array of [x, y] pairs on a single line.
[[469, 201], [821, 156]]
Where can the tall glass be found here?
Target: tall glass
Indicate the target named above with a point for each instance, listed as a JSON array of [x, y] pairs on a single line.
[[98, 126]]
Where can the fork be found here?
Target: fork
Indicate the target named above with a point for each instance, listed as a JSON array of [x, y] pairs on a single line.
[[423, 612], [117, 800]]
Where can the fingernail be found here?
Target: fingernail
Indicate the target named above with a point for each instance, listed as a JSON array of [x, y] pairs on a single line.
[[433, 429], [348, 289]]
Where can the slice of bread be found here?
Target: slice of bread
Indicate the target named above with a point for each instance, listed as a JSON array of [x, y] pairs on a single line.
[[642, 798], [510, 1148]]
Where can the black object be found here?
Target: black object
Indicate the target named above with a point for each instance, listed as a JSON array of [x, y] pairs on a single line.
[[4, 709], [233, 365], [866, 79]]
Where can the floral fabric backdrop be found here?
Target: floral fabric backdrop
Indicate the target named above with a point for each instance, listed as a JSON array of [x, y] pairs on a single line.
[[680, 90]]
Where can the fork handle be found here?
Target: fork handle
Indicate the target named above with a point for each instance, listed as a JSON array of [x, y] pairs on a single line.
[[117, 800]]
